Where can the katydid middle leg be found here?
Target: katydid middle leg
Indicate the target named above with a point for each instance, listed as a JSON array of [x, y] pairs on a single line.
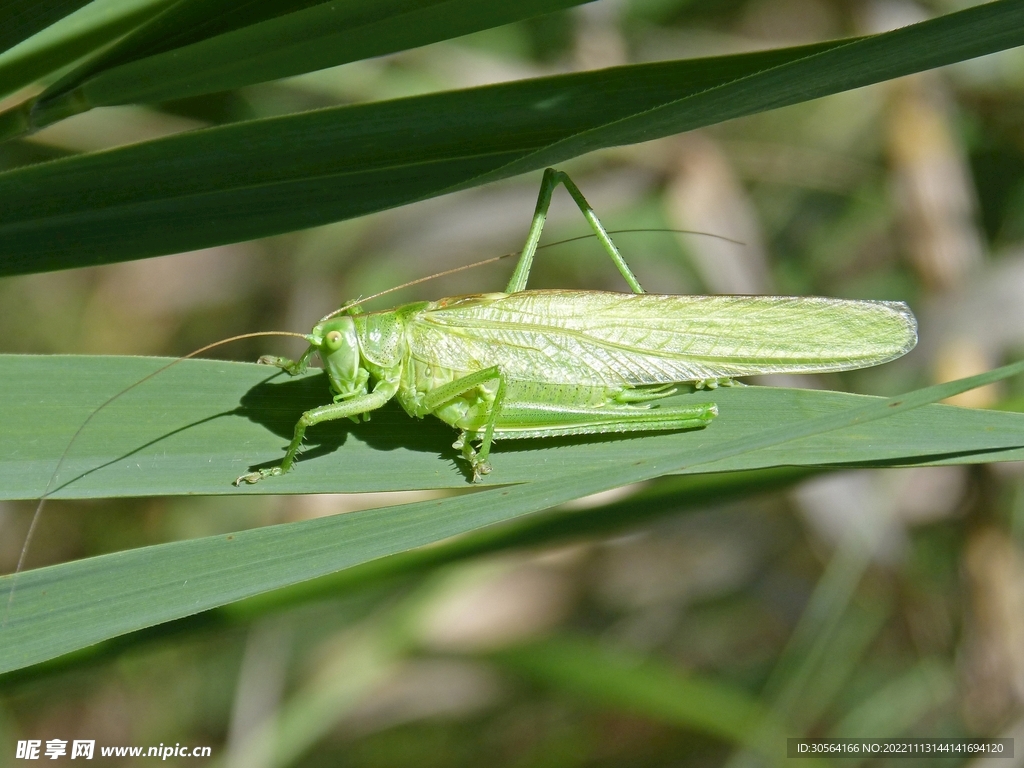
[[447, 393], [552, 179]]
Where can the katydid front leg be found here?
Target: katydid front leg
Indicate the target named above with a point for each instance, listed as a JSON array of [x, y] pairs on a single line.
[[291, 367], [383, 392]]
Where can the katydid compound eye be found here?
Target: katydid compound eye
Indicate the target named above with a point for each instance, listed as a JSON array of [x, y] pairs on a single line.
[[332, 340]]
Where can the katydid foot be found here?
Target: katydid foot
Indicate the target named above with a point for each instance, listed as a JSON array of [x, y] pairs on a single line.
[[254, 477], [480, 465], [291, 367]]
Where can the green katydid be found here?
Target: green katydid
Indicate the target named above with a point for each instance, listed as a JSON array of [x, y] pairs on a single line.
[[543, 363]]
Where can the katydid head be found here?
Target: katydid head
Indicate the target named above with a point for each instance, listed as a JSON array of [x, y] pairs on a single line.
[[338, 346]]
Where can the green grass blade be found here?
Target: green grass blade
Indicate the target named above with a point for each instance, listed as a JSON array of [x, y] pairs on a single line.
[[20, 19], [840, 66], [57, 46], [642, 686], [901, 703], [194, 48], [666, 497], [264, 177], [62, 608], [200, 424]]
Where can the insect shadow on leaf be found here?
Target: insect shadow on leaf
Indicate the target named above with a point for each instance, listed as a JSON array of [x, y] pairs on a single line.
[[277, 403]]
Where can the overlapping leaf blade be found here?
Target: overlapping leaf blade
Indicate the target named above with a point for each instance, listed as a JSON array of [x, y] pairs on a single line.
[[667, 498], [628, 683], [198, 47], [264, 177], [20, 19], [84, 32]]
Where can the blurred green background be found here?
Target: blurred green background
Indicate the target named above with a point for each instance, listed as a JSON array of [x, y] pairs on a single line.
[[867, 603]]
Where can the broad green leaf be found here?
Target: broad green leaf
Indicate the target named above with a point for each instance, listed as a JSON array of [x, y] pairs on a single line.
[[55, 610], [828, 641], [73, 37], [199, 46], [269, 176], [668, 496], [197, 426]]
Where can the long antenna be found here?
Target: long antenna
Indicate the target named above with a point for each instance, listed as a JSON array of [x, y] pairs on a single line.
[[419, 280], [60, 462], [493, 259]]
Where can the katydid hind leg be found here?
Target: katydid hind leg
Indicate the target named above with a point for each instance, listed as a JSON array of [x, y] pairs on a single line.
[[523, 410], [552, 179], [716, 382], [518, 421], [545, 410]]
